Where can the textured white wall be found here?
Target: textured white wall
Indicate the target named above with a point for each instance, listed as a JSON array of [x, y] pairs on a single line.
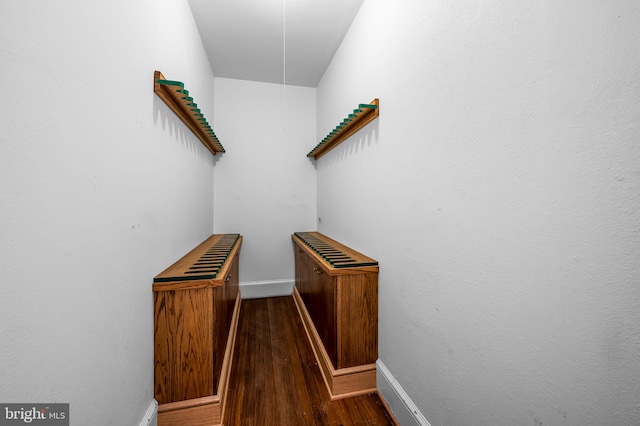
[[265, 186], [101, 188], [500, 192]]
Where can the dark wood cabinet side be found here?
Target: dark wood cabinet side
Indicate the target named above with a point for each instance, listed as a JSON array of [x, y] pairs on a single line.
[[357, 317], [224, 299], [343, 308]]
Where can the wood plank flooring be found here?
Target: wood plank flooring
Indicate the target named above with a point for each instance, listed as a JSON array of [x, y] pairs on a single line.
[[275, 379]]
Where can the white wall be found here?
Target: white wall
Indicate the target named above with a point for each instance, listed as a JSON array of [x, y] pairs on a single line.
[[500, 191], [101, 188], [265, 186]]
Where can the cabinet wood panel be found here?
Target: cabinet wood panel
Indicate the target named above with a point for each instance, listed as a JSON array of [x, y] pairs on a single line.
[[357, 319], [196, 306], [339, 289], [183, 344], [321, 304]]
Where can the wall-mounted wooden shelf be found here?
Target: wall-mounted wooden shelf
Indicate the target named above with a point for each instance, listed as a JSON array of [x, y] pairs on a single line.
[[361, 116], [177, 98]]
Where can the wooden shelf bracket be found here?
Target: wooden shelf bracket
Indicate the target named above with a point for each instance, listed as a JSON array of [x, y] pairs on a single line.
[[361, 116], [177, 98]]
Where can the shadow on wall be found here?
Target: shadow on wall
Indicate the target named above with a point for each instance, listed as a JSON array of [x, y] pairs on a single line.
[[365, 137], [178, 130]]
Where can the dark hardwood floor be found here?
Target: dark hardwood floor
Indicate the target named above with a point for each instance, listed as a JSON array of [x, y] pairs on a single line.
[[275, 379]]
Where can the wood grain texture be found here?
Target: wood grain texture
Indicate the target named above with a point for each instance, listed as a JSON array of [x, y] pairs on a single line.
[[319, 298], [225, 301], [206, 410], [357, 320], [194, 335], [225, 376], [183, 344], [197, 415], [340, 383], [343, 304], [275, 379]]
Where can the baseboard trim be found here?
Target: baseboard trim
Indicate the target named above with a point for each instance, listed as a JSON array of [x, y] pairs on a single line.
[[151, 416], [397, 399], [260, 289]]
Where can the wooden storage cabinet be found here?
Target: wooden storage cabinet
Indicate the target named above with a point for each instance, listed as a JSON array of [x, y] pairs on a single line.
[[196, 307], [338, 303], [317, 289]]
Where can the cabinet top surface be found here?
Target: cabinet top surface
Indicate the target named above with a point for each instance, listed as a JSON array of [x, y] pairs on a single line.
[[205, 265], [333, 255]]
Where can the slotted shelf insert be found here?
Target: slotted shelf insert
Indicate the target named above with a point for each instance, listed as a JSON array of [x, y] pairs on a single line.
[[182, 104], [204, 263], [361, 116], [334, 253]]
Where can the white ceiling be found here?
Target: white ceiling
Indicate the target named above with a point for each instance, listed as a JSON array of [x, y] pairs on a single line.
[[244, 38]]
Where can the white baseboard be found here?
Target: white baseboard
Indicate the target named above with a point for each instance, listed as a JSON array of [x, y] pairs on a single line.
[[259, 289], [151, 416], [403, 408]]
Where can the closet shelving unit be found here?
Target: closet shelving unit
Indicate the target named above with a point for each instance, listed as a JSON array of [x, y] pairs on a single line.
[[360, 117], [182, 104]]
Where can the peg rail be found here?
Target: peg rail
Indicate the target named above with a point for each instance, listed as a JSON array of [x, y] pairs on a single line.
[[361, 116], [177, 98]]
